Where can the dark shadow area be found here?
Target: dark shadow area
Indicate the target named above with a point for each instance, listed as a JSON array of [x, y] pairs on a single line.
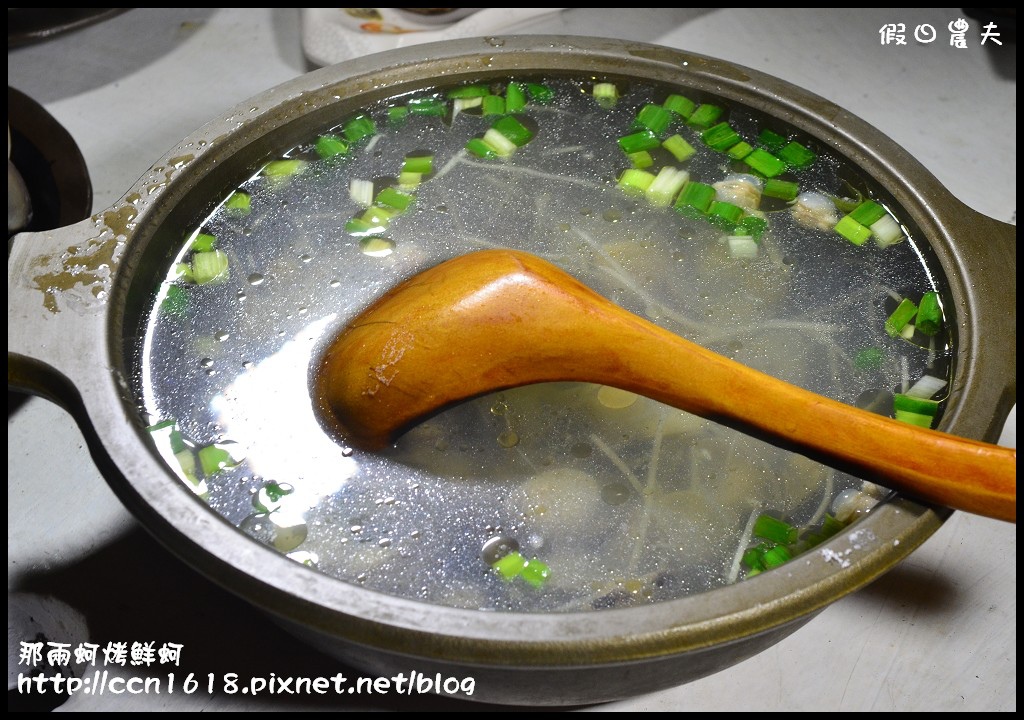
[[134, 590], [1000, 27], [27, 26], [15, 400], [50, 163], [75, 70], [909, 586]]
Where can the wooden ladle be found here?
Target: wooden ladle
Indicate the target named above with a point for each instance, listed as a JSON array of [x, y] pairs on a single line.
[[498, 319]]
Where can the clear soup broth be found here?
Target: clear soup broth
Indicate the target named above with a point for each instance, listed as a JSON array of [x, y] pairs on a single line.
[[553, 497]]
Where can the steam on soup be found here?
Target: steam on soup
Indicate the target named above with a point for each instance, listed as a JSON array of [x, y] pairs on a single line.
[[719, 224]]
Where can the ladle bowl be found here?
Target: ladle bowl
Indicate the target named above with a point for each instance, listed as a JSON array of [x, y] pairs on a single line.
[[497, 319]]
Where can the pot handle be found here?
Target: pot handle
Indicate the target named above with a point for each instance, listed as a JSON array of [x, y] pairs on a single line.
[[58, 289], [988, 338]]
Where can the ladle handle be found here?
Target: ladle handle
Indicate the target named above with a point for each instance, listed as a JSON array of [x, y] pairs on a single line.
[[935, 466], [499, 319]]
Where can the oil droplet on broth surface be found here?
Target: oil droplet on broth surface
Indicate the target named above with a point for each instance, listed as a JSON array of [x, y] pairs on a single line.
[[377, 246], [498, 547], [255, 279], [499, 408], [581, 450], [309, 559], [508, 439], [271, 496], [615, 494], [282, 532], [612, 397]]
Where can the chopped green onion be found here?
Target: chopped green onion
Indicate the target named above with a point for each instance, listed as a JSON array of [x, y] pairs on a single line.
[[887, 231], [515, 97], [771, 140], [176, 300], [914, 418], [409, 180], [422, 164], [740, 150], [427, 106], [724, 214], [765, 163], [848, 205], [742, 247], [868, 359], [917, 405], [540, 93], [899, 318], [639, 141], [378, 217], [634, 181], [358, 128], [330, 145], [666, 186], [830, 526], [209, 267], [392, 198], [186, 460], [796, 155], [751, 225], [514, 565], [469, 91], [781, 189], [481, 149], [213, 459], [606, 94], [720, 137], [695, 199], [770, 528], [752, 558], [681, 150], [868, 213], [183, 271], [359, 227], [535, 573], [926, 387], [641, 159], [513, 130], [493, 105], [239, 202], [397, 115], [852, 230], [511, 565], [203, 242], [166, 433], [778, 555], [929, 314], [498, 143], [681, 106], [705, 116], [654, 118], [283, 168], [460, 104], [361, 192]]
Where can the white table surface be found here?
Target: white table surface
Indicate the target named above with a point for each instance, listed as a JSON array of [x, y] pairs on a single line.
[[936, 633]]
